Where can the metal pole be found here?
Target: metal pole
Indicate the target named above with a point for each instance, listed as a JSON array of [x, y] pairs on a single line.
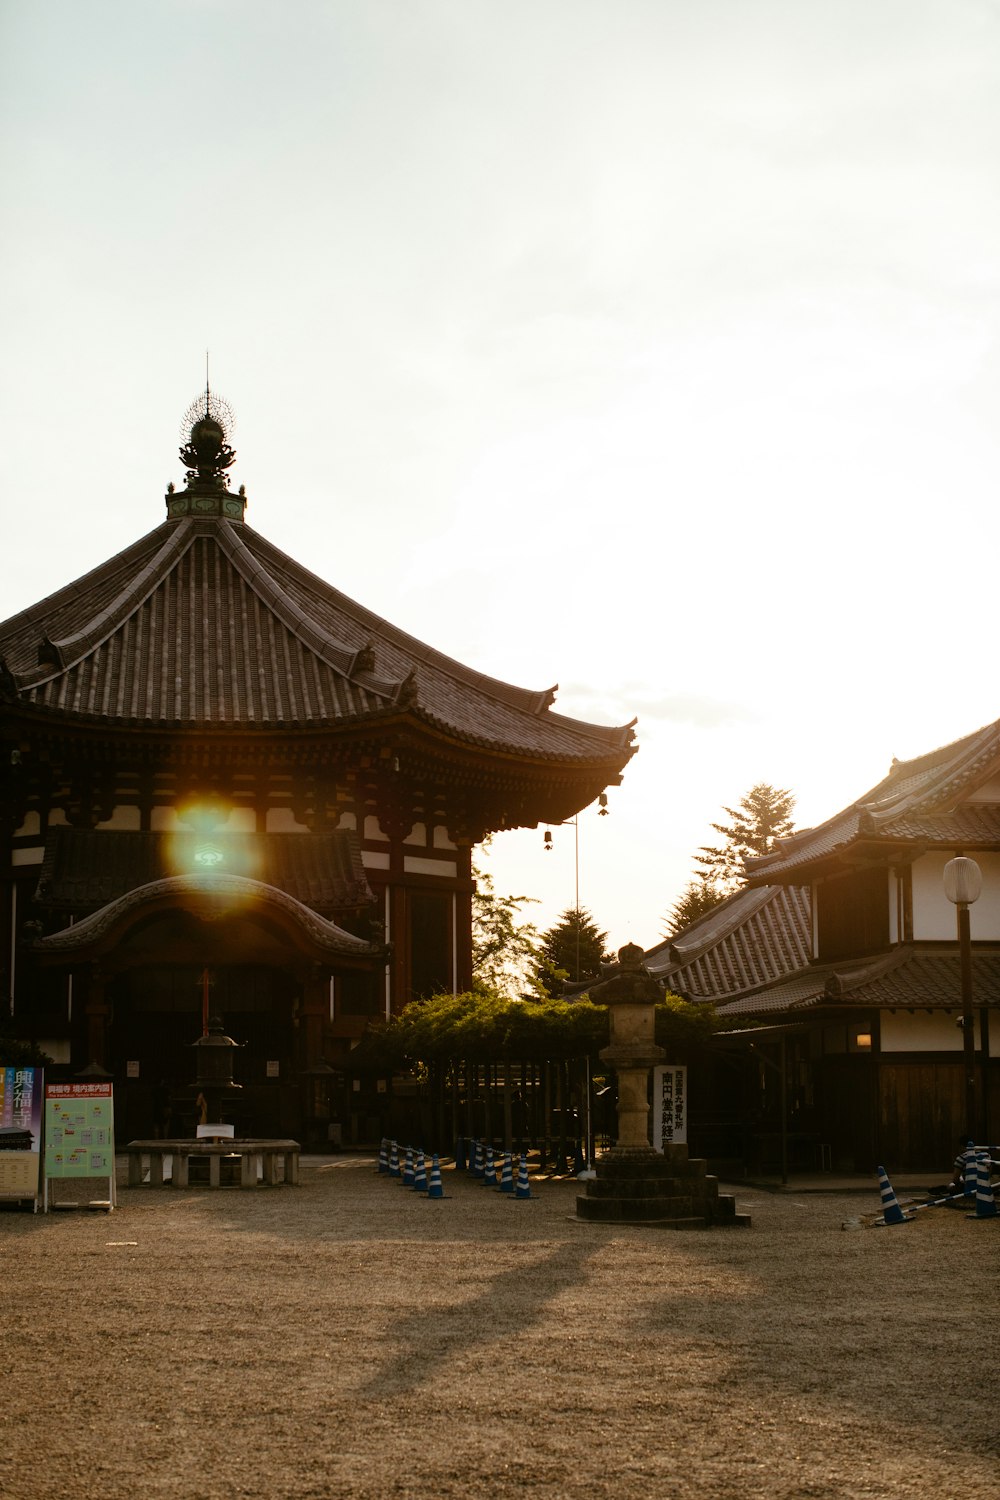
[[576, 842], [968, 1023]]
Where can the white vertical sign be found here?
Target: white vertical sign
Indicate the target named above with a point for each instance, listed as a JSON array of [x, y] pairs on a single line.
[[670, 1109]]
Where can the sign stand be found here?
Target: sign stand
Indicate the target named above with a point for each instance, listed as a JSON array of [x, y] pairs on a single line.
[[80, 1136], [20, 1134], [669, 1107]]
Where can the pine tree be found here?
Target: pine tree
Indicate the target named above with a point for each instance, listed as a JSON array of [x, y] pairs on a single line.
[[573, 949], [698, 897], [755, 826]]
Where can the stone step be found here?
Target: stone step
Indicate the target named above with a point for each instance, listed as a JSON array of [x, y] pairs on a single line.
[[669, 1221], [647, 1187], [641, 1165], [636, 1210]]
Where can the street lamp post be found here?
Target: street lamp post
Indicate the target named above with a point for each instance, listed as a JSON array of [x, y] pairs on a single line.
[[963, 882]]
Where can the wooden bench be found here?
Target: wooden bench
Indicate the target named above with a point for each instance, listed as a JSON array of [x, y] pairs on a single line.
[[258, 1159]]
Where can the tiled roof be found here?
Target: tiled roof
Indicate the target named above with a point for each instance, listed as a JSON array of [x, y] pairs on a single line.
[[205, 624], [904, 978], [83, 869], [755, 938], [917, 801]]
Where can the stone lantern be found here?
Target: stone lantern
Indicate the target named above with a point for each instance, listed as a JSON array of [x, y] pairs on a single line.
[[634, 1183], [631, 995]]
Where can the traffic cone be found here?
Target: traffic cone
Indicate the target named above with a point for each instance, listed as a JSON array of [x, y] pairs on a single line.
[[490, 1171], [970, 1159], [435, 1188], [408, 1168], [986, 1204], [523, 1189], [420, 1175], [507, 1174], [891, 1211], [460, 1155], [479, 1170], [394, 1160], [383, 1157]]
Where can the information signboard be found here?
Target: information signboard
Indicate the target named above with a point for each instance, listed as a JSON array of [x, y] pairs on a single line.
[[80, 1132], [669, 1107], [20, 1132]]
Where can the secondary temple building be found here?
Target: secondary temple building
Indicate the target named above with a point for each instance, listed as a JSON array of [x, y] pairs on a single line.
[[842, 960], [227, 788]]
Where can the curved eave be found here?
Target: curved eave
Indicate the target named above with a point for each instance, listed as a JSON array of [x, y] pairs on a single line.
[[414, 721], [208, 898]]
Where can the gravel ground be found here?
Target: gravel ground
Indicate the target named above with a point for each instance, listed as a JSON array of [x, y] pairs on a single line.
[[348, 1338]]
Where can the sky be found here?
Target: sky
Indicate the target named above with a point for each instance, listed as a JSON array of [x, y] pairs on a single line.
[[646, 347]]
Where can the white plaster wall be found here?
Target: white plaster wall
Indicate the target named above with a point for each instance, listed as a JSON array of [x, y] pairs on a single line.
[[417, 835], [282, 820], [32, 824], [933, 1031], [414, 865], [442, 839], [27, 856], [240, 820], [372, 829], [934, 917]]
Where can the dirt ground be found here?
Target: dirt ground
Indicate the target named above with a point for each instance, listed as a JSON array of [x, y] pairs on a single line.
[[349, 1338]]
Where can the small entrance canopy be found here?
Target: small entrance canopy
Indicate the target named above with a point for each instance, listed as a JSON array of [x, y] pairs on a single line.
[[214, 906]]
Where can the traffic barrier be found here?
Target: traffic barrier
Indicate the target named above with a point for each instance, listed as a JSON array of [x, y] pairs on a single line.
[[986, 1204], [891, 1211]]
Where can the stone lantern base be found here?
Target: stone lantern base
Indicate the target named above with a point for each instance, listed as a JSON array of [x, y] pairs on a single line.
[[636, 1186]]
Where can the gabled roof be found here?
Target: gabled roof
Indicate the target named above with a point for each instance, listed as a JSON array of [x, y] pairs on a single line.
[[753, 939], [203, 624], [749, 956], [917, 803]]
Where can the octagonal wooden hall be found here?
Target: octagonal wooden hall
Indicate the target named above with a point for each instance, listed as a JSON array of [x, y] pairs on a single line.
[[226, 785]]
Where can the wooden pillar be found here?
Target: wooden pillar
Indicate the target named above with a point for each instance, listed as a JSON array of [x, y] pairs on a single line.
[[98, 1014], [313, 1015]]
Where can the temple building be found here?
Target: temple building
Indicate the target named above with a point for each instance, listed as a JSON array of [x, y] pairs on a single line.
[[228, 788]]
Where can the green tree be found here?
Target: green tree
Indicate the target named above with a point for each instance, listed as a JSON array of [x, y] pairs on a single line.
[[698, 897], [504, 948], [573, 949], [754, 827]]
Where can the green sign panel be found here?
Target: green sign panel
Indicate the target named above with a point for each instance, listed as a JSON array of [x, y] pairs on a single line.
[[79, 1130]]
